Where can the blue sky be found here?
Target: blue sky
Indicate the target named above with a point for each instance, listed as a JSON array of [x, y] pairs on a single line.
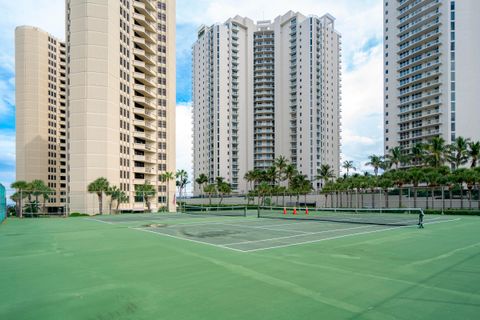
[[359, 22]]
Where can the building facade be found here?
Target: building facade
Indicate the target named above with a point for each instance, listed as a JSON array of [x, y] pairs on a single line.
[[41, 113], [431, 71], [263, 90], [121, 98]]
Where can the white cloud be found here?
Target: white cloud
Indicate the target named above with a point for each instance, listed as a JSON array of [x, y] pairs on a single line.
[[357, 20], [7, 145], [184, 139]]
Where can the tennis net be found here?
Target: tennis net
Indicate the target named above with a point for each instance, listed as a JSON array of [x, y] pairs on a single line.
[[386, 217], [233, 211]]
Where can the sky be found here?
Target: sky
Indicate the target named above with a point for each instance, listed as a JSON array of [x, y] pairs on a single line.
[[358, 21]]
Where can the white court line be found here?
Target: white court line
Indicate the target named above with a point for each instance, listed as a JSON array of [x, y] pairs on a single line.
[[342, 236], [297, 235], [186, 239], [263, 228], [98, 220]]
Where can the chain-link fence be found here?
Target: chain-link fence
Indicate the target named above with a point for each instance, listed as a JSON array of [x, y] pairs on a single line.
[[422, 197], [41, 203], [3, 203], [121, 202]]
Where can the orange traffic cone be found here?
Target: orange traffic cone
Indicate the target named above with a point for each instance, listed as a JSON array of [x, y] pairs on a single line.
[[284, 210], [306, 211], [294, 210]]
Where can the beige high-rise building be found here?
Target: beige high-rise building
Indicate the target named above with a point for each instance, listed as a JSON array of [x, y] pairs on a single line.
[[121, 98], [431, 71], [41, 139], [263, 90]]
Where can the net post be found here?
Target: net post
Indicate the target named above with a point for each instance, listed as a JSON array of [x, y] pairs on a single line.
[[244, 211], [258, 211]]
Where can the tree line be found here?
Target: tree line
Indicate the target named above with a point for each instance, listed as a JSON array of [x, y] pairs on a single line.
[[436, 166], [101, 187]]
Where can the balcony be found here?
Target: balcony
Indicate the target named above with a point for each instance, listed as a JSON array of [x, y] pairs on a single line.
[[149, 125], [150, 93], [145, 147], [143, 9], [143, 21], [144, 45], [145, 113], [147, 80], [140, 30], [143, 67], [147, 103], [148, 58]]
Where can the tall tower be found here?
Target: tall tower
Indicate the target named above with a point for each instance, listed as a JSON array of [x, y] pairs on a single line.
[[431, 71], [264, 90], [41, 133], [121, 98]]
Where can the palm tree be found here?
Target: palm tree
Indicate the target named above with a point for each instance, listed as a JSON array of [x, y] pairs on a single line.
[[470, 177], [146, 191], [415, 177], [417, 157], [21, 187], [385, 183], [324, 174], [167, 177], [326, 190], [45, 192], [119, 197], [181, 183], [395, 157], [112, 192], [459, 177], [99, 186], [432, 178], [36, 187], [348, 165], [201, 180], [290, 172], [458, 152], [375, 162], [372, 183], [224, 189], [437, 150], [473, 152], [262, 190], [281, 164], [250, 178], [399, 178], [210, 189]]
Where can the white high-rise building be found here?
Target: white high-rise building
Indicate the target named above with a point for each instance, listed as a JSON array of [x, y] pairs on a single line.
[[263, 90], [431, 71]]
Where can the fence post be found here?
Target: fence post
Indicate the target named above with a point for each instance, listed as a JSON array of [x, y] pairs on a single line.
[[21, 204]]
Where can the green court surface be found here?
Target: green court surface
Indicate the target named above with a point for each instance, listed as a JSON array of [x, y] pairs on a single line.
[[178, 266]]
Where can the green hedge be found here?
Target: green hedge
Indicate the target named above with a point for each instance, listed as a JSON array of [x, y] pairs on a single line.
[[78, 214], [454, 212]]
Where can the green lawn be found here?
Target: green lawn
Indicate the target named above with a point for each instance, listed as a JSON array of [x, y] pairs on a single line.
[[79, 269]]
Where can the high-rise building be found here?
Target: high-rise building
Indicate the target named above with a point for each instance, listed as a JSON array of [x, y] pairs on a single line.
[[264, 90], [431, 71], [41, 114], [121, 98]]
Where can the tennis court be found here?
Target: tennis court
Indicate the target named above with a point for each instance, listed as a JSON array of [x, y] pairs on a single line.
[[238, 266], [269, 228]]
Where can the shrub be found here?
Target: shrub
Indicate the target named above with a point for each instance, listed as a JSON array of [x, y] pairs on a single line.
[[78, 214], [458, 212]]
